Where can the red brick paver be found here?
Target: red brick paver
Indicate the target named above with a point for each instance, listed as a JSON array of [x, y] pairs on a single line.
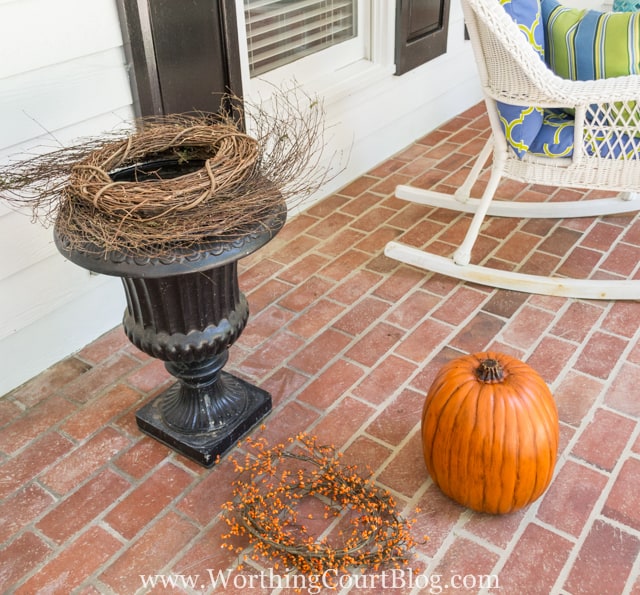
[[348, 342]]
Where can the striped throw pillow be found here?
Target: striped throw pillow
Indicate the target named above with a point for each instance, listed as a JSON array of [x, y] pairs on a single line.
[[586, 45]]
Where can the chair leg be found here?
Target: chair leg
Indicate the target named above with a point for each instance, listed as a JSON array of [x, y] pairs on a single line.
[[463, 194], [458, 266], [630, 195], [462, 255], [461, 200]]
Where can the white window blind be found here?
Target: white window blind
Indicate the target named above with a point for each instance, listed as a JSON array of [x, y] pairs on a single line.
[[282, 31]]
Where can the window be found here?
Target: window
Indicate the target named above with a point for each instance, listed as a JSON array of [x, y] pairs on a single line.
[[280, 32]]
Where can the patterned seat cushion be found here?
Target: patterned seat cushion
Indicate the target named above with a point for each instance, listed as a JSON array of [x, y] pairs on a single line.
[[555, 139], [522, 124]]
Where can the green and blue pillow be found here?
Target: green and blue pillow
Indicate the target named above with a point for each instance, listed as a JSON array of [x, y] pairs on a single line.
[[520, 124], [586, 45]]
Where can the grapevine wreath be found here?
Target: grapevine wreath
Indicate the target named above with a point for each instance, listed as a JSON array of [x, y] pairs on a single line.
[[223, 180]]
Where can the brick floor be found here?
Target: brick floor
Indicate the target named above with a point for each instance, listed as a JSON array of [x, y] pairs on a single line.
[[347, 342]]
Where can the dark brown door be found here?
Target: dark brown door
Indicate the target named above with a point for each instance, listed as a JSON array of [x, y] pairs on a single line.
[[182, 54], [421, 32]]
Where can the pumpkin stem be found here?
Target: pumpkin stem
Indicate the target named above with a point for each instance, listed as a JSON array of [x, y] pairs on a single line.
[[490, 371]]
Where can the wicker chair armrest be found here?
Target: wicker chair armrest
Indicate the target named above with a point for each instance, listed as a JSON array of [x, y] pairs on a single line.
[[550, 90], [609, 90]]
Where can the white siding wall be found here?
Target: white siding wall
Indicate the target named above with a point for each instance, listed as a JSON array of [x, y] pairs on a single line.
[[63, 76]]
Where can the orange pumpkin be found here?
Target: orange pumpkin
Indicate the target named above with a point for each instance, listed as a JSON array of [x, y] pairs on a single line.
[[490, 432]]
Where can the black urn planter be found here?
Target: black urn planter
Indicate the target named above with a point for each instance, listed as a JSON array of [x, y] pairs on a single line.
[[186, 308]]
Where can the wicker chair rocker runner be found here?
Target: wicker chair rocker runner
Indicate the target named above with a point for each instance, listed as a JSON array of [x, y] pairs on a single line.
[[605, 155]]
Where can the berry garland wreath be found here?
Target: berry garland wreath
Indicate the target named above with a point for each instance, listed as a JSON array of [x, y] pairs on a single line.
[[305, 509]]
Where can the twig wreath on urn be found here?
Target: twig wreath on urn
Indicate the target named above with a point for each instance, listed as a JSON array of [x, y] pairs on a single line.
[[170, 207], [188, 178]]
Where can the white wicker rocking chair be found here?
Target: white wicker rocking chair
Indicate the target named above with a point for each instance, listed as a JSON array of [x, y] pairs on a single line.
[[512, 72]]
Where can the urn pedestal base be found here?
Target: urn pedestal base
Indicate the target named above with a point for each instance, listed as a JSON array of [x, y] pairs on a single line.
[[207, 447]]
